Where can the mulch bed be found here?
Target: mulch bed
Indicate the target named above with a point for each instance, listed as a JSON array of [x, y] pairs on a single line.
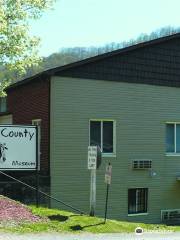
[[15, 212]]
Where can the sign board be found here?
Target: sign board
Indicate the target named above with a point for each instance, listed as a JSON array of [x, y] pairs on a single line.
[[92, 157], [108, 174], [18, 147]]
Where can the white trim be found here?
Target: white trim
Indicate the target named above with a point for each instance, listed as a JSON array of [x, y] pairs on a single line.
[[172, 209], [168, 210], [175, 147], [114, 138], [108, 155], [35, 121], [101, 120], [172, 122], [172, 154], [137, 214], [101, 136], [175, 137]]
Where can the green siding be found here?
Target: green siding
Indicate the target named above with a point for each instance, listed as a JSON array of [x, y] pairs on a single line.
[[141, 112]]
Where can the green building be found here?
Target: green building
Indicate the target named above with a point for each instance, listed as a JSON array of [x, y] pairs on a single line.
[[127, 102]]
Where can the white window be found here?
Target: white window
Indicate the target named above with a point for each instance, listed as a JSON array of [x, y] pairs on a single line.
[[102, 134], [173, 137], [37, 122], [3, 104], [137, 200]]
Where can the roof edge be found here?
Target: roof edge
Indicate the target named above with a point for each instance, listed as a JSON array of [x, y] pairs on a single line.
[[53, 71]]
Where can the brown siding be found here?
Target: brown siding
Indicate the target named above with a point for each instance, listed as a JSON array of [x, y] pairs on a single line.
[[157, 64], [31, 101]]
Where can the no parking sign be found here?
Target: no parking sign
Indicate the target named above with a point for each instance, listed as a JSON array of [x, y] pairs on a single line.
[[108, 174]]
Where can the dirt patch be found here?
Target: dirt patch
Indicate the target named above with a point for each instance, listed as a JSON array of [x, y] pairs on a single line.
[[12, 211]]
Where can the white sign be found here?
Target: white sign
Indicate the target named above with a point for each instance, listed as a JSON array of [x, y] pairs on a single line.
[[92, 157], [108, 174], [18, 147]]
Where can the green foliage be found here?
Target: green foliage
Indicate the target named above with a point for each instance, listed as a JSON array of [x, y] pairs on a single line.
[[18, 50]]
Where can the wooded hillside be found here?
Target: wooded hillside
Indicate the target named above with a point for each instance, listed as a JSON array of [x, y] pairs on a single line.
[[68, 55]]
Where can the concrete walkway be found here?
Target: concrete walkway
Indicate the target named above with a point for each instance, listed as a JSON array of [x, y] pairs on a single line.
[[55, 236]]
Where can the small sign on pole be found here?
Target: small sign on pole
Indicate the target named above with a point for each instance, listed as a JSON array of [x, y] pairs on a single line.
[[92, 157], [108, 175]]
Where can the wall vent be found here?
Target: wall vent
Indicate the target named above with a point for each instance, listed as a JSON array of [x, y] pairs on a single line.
[[170, 215], [142, 164]]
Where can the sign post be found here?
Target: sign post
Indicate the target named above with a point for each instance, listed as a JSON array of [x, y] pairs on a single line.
[[108, 175], [37, 168], [92, 165], [93, 192], [94, 161]]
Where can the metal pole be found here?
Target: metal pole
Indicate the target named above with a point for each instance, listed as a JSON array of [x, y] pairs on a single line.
[[37, 173], [37, 189], [107, 194], [93, 192]]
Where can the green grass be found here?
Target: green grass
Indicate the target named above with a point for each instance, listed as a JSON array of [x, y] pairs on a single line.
[[62, 221]]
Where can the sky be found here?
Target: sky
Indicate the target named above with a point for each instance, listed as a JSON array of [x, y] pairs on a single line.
[[87, 23]]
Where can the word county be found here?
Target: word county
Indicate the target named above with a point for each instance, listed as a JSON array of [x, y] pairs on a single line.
[[5, 132]]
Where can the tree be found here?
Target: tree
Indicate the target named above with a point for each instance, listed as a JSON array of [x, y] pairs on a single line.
[[18, 50]]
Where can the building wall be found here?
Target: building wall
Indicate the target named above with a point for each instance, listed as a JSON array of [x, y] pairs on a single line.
[[28, 102], [140, 112]]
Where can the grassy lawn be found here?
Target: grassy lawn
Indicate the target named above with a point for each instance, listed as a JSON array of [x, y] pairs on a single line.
[[62, 221]]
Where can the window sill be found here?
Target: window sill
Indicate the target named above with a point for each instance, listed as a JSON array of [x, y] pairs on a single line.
[[137, 214], [173, 154], [108, 155]]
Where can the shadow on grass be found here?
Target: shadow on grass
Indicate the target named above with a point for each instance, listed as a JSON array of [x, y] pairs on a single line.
[[173, 224], [61, 218], [58, 217], [80, 228], [75, 215]]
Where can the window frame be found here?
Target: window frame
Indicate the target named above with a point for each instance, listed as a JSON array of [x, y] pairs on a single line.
[[3, 104], [146, 203], [113, 154], [172, 153]]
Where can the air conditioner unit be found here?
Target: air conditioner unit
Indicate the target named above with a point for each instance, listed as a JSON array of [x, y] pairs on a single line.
[[141, 164], [170, 215]]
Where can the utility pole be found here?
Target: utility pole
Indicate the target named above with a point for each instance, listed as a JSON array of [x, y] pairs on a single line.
[[108, 175], [93, 192], [94, 161]]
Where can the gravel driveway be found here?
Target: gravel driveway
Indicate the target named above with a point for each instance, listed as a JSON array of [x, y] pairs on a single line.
[[53, 236]]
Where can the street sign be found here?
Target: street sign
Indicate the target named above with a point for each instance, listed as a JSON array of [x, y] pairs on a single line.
[[18, 147], [108, 174], [92, 157]]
